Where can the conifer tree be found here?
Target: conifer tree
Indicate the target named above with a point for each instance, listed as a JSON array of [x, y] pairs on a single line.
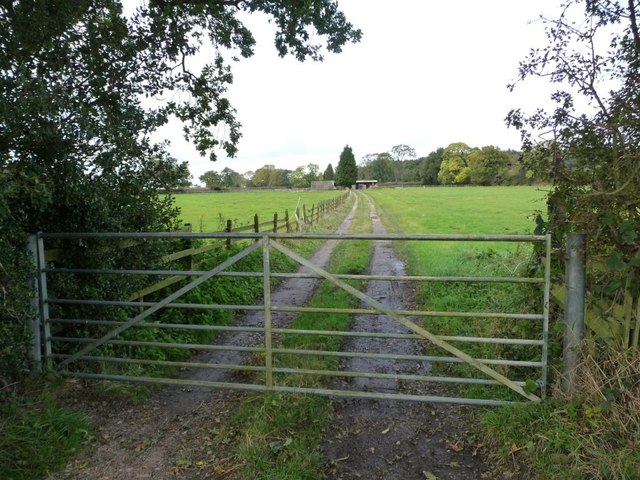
[[347, 171]]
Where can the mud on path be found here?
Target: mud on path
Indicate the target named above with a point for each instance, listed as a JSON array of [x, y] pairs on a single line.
[[384, 439]]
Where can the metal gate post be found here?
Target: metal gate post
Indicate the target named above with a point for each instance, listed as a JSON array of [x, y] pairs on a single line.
[[546, 310], [268, 353], [574, 309], [44, 303], [34, 323]]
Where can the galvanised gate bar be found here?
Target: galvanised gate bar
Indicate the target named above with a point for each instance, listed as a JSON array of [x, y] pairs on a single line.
[[60, 346]]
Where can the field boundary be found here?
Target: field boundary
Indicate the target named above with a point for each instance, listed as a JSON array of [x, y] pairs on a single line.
[[303, 218], [77, 350]]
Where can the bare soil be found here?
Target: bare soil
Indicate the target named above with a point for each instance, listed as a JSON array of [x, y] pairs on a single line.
[[184, 433]]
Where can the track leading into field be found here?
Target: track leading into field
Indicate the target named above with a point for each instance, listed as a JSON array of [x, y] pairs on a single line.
[[292, 292], [394, 440], [146, 441], [396, 295]]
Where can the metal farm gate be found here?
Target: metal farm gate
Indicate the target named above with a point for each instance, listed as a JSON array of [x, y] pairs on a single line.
[[99, 348]]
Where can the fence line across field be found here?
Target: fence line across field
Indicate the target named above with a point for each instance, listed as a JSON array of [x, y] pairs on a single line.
[[279, 222]]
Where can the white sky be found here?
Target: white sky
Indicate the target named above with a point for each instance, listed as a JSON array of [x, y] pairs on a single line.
[[426, 74]]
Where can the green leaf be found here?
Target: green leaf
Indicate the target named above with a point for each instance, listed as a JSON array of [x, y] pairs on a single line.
[[628, 232], [530, 386], [615, 262]]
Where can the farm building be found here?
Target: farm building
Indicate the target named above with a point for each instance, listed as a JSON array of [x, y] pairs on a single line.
[[363, 184], [323, 185]]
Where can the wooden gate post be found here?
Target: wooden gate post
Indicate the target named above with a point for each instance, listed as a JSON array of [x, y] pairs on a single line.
[[574, 309]]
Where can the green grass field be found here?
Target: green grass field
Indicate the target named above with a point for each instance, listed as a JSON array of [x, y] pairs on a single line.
[[468, 210], [208, 212], [471, 210], [495, 210]]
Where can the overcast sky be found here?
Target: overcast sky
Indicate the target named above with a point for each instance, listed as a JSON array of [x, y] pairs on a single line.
[[426, 74]]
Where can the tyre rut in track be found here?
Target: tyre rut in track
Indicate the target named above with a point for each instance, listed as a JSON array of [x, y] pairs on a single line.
[[391, 439]]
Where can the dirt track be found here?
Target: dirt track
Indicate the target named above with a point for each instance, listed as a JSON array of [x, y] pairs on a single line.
[[383, 439], [367, 438]]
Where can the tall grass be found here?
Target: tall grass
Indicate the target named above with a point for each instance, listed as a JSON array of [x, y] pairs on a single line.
[[592, 435], [218, 290], [37, 435]]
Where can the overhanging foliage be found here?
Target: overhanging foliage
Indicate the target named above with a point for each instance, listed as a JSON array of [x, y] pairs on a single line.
[[591, 155]]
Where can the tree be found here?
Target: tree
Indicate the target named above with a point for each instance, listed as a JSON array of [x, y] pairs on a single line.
[[268, 176], [286, 177], [231, 178], [400, 154], [211, 179], [430, 167], [364, 167], [72, 76], [328, 173], [588, 146], [488, 165], [297, 178], [347, 171], [454, 167], [74, 127], [382, 168], [515, 172], [302, 177], [312, 173]]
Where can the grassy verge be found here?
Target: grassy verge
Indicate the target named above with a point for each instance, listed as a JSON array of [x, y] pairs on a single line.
[[280, 432], [595, 434], [37, 435], [216, 291], [208, 212]]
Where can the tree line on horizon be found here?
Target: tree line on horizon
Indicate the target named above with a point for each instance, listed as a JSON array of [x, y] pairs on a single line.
[[456, 164]]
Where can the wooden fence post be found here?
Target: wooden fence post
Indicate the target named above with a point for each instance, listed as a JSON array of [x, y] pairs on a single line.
[[275, 222], [305, 219], [256, 224], [188, 243], [297, 219], [286, 220], [228, 230]]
